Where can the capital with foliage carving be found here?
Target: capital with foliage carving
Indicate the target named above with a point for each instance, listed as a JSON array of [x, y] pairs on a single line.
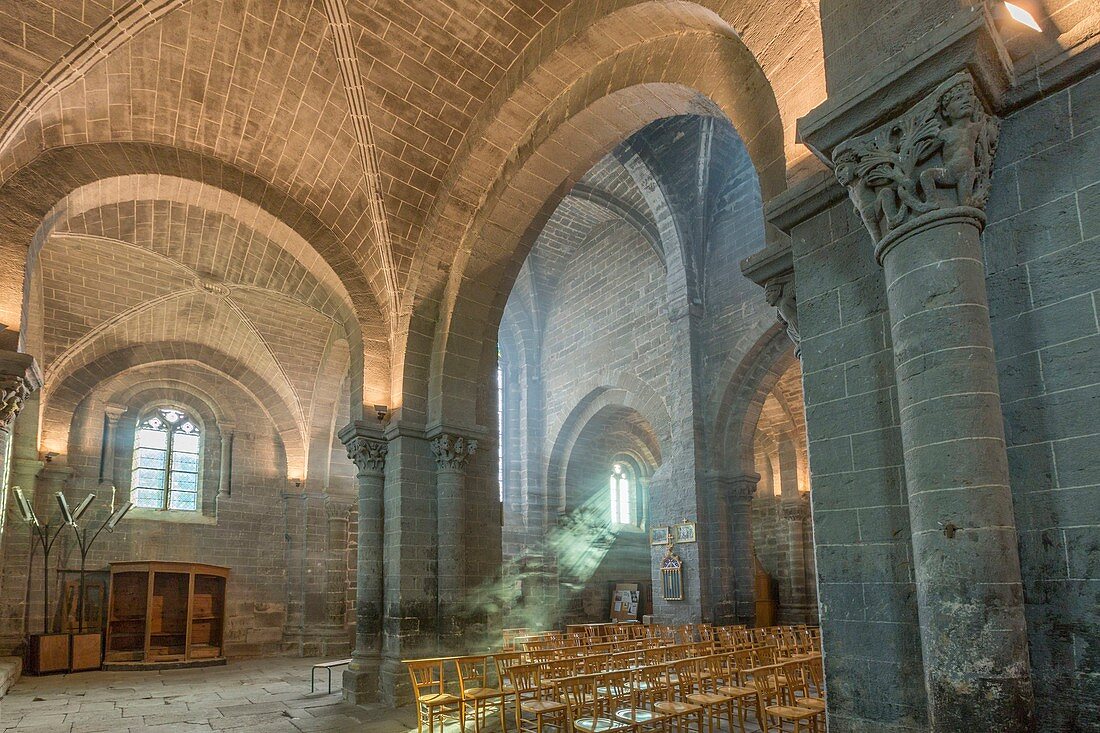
[[933, 162], [742, 488], [20, 377], [453, 452], [368, 454]]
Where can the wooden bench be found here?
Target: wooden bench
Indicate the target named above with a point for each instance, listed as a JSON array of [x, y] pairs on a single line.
[[327, 666]]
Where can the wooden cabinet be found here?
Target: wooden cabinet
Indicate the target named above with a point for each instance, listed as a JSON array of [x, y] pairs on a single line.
[[166, 614]]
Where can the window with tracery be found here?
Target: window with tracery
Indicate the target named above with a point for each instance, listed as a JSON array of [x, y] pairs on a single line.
[[167, 445], [624, 499]]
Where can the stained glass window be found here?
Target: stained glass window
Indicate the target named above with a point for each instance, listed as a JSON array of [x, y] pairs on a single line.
[[167, 446]]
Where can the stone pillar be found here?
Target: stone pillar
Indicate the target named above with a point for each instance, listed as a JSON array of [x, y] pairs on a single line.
[[739, 491], [452, 454], [337, 517], [796, 511], [110, 438], [367, 449], [920, 184], [20, 378]]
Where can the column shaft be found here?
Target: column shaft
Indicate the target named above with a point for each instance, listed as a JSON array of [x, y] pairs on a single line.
[[960, 506], [368, 451], [452, 455]]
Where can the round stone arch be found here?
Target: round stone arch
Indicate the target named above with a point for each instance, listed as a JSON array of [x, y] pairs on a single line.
[[61, 402], [747, 384], [604, 401], [558, 122], [40, 193]]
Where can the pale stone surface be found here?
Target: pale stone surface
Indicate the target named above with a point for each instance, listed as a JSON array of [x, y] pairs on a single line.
[[270, 695]]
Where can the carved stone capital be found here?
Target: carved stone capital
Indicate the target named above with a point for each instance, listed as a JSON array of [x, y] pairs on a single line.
[[932, 163], [368, 454], [337, 511], [366, 447], [114, 412], [19, 378], [779, 294], [743, 487], [453, 452]]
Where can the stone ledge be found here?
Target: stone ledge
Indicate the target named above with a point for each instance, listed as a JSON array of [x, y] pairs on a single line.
[[10, 670]]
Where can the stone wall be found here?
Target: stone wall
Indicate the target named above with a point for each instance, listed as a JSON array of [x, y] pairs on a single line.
[[251, 520], [1042, 257]]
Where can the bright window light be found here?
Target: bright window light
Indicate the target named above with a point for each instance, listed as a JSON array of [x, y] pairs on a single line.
[[1022, 16]]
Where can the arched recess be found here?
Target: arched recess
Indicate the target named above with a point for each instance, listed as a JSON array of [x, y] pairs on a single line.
[[541, 140], [606, 401], [747, 385], [63, 399], [37, 197]]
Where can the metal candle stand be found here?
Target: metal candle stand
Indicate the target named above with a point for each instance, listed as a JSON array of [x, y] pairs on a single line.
[[42, 532]]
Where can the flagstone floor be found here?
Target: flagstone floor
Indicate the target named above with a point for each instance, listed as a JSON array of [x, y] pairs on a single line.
[[255, 696]]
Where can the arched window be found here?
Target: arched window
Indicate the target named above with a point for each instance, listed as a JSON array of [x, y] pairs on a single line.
[[167, 445], [624, 496]]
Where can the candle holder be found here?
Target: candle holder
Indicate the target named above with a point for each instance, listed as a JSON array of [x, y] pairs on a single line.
[[55, 652]]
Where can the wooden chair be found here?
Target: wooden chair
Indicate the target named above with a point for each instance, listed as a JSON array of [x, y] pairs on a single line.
[[676, 706], [504, 660], [589, 711], [473, 682], [647, 686], [432, 701], [509, 636], [730, 682], [704, 692], [796, 683], [533, 698], [783, 710]]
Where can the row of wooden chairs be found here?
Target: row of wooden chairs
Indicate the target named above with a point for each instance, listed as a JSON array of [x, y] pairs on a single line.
[[764, 680]]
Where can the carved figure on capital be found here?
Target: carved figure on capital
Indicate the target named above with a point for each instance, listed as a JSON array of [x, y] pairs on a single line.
[[453, 452], [13, 393], [368, 454], [779, 294], [938, 156]]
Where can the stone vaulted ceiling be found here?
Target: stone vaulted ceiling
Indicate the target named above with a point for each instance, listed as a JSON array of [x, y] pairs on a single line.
[[371, 142]]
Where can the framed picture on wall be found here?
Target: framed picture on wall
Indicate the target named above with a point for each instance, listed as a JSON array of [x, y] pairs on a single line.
[[683, 532], [659, 535]]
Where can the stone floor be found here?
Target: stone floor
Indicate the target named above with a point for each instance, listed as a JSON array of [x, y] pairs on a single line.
[[257, 696]]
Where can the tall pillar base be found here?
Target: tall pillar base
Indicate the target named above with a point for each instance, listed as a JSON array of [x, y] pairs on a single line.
[[361, 680]]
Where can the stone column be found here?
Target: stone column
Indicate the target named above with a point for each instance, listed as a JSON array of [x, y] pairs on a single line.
[[337, 516], [20, 377], [225, 474], [795, 511], [452, 454], [110, 435], [920, 184], [739, 491], [367, 449]]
